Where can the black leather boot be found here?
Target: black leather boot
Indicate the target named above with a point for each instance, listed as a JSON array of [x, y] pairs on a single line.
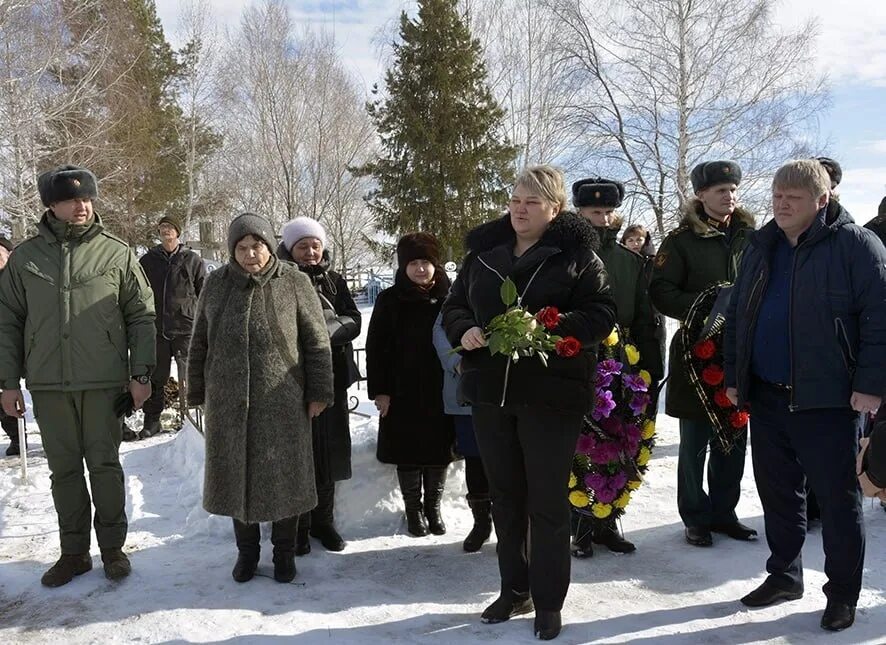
[[607, 534], [283, 539], [434, 482], [248, 537], [322, 522], [302, 541], [506, 606], [410, 487], [481, 508]]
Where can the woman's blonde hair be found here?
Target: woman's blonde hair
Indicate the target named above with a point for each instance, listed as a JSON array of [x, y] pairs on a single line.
[[546, 182], [803, 174]]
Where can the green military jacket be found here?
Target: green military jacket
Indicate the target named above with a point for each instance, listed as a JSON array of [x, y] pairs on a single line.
[[691, 258], [627, 280], [76, 311]]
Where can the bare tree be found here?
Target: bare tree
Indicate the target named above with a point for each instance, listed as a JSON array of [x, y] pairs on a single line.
[[668, 83]]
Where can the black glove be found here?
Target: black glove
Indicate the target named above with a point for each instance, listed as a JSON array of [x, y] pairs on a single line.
[[123, 405]]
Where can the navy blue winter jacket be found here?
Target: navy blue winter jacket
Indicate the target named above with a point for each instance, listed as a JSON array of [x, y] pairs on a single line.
[[837, 312]]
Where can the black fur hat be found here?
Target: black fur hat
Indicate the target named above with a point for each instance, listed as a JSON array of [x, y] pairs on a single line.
[[418, 246], [835, 172], [599, 192], [66, 182], [711, 173]]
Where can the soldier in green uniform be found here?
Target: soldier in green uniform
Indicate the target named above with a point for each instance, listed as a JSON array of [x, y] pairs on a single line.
[[706, 248], [77, 322], [596, 199]]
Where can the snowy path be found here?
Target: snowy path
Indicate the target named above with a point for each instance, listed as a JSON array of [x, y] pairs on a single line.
[[387, 586]]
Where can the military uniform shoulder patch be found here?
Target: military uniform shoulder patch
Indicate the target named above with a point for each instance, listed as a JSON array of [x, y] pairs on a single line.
[[661, 258]]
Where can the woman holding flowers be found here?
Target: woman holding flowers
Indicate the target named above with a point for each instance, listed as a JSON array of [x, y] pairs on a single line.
[[529, 397]]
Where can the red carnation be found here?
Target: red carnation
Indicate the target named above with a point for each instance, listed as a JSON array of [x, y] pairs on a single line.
[[549, 317], [739, 419], [721, 399], [712, 375], [568, 347], [705, 349]]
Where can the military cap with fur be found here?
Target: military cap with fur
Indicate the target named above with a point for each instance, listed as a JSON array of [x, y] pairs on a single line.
[[66, 182], [835, 172], [711, 173], [598, 192]]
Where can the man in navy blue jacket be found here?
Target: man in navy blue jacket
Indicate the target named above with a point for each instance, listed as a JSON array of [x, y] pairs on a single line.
[[805, 348]]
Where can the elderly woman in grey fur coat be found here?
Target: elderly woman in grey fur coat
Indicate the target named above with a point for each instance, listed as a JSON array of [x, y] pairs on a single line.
[[260, 364]]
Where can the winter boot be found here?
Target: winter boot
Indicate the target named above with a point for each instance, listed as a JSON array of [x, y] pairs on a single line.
[[129, 435], [68, 566], [410, 487], [116, 564], [607, 534], [506, 606], [283, 538], [10, 425], [482, 511], [434, 482], [14, 449], [151, 427], [302, 541], [582, 536], [248, 538], [322, 522]]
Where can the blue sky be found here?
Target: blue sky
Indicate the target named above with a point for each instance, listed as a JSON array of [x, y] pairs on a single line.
[[850, 43]]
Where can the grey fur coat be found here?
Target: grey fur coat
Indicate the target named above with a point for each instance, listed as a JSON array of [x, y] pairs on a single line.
[[259, 353]]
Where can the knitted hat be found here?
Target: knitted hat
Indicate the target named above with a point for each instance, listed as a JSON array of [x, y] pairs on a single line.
[[173, 221], [835, 172], [598, 192], [418, 246], [711, 173], [302, 227], [66, 182], [250, 224]]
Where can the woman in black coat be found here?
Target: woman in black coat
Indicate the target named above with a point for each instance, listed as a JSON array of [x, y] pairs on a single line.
[[304, 242], [528, 416], [406, 380]]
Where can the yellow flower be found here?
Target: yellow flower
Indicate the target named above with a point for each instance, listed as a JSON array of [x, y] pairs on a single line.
[[572, 480], [648, 429], [646, 376], [643, 456], [579, 499], [612, 338], [622, 500], [632, 353], [601, 510], [634, 484]]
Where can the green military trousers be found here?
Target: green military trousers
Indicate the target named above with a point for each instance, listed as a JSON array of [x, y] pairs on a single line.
[[75, 426]]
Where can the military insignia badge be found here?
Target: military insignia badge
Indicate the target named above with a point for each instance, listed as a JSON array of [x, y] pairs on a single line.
[[725, 170], [660, 258], [75, 183], [597, 195]]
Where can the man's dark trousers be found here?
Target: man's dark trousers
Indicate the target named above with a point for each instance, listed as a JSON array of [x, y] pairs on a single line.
[[167, 349], [821, 445], [697, 508]]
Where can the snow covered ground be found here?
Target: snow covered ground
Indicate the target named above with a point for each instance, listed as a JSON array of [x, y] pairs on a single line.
[[387, 586]]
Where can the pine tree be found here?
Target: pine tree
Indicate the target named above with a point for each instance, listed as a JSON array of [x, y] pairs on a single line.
[[443, 166]]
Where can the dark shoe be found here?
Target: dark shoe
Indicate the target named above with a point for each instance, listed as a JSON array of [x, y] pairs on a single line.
[[116, 564], [434, 483], [547, 625], [837, 616], [244, 569], [14, 450], [767, 594], [506, 606], [416, 524], [735, 530], [68, 566], [410, 487], [482, 511], [129, 435], [582, 547], [609, 536], [329, 537], [284, 566], [698, 536], [151, 428], [302, 541]]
